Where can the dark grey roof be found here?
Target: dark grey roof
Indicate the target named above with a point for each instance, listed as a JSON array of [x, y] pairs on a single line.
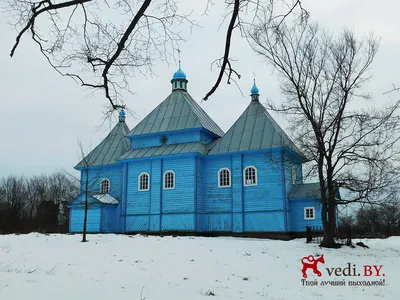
[[254, 130], [178, 111], [109, 149], [306, 190], [164, 150]]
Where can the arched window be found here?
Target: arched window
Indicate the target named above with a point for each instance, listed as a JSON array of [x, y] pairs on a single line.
[[250, 176], [144, 181], [224, 177], [169, 180], [105, 186]]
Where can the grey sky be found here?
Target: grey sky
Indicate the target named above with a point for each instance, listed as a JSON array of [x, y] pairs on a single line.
[[42, 115]]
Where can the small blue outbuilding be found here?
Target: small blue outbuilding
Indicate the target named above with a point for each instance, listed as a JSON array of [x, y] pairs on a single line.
[[176, 170]]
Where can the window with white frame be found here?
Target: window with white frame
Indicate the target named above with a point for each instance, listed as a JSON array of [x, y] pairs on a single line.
[[224, 178], [144, 181], [309, 213], [250, 176], [294, 175], [169, 180], [105, 186]]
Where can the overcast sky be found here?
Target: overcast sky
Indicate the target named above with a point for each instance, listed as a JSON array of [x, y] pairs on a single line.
[[43, 115]]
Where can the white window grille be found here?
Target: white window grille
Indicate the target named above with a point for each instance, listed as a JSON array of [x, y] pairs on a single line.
[[169, 180], [309, 213], [250, 176], [105, 186], [224, 178], [144, 181]]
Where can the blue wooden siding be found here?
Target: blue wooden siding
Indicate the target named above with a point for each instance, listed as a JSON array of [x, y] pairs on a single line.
[[97, 174], [287, 169], [197, 203], [159, 209], [156, 196], [217, 202], [268, 193], [268, 221], [93, 220], [178, 205], [109, 219], [199, 192], [237, 193], [298, 223], [138, 202], [175, 137]]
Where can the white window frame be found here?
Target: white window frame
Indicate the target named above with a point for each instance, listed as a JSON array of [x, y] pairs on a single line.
[[313, 213], [294, 175], [101, 185], [139, 182], [245, 183], [219, 178], [174, 181]]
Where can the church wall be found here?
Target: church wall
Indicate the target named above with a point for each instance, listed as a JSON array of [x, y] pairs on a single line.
[[199, 189], [298, 224], [161, 209], [264, 204], [237, 193], [97, 174], [138, 202], [244, 208], [178, 205], [77, 218], [109, 219], [173, 137], [216, 214]]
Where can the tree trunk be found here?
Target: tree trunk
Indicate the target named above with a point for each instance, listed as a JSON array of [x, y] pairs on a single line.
[[330, 230], [86, 208]]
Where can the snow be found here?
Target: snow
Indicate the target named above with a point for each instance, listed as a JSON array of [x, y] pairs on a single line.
[[38, 267], [105, 198]]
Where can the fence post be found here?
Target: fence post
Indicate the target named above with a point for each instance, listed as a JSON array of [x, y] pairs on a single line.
[[308, 234], [348, 241]]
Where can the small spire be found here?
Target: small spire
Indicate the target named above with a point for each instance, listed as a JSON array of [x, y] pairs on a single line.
[[179, 81], [255, 93], [121, 115]]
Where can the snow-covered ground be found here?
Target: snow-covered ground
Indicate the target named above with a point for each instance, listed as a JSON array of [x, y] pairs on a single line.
[[110, 267]]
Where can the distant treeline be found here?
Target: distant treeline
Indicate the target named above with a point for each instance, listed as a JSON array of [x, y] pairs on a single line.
[[37, 203], [381, 219]]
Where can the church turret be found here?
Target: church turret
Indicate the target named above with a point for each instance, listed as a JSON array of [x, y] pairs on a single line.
[[121, 116], [179, 81], [254, 92]]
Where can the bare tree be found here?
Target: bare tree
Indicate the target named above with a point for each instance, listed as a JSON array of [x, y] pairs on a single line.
[[89, 182], [114, 42], [27, 204], [350, 142]]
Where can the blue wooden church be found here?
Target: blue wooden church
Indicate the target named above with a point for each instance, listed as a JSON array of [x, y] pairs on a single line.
[[177, 171]]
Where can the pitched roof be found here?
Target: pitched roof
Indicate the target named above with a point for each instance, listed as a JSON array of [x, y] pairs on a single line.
[[306, 190], [254, 130], [165, 150], [109, 149], [178, 111]]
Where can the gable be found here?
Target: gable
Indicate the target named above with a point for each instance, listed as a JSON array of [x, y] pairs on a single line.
[[179, 111]]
